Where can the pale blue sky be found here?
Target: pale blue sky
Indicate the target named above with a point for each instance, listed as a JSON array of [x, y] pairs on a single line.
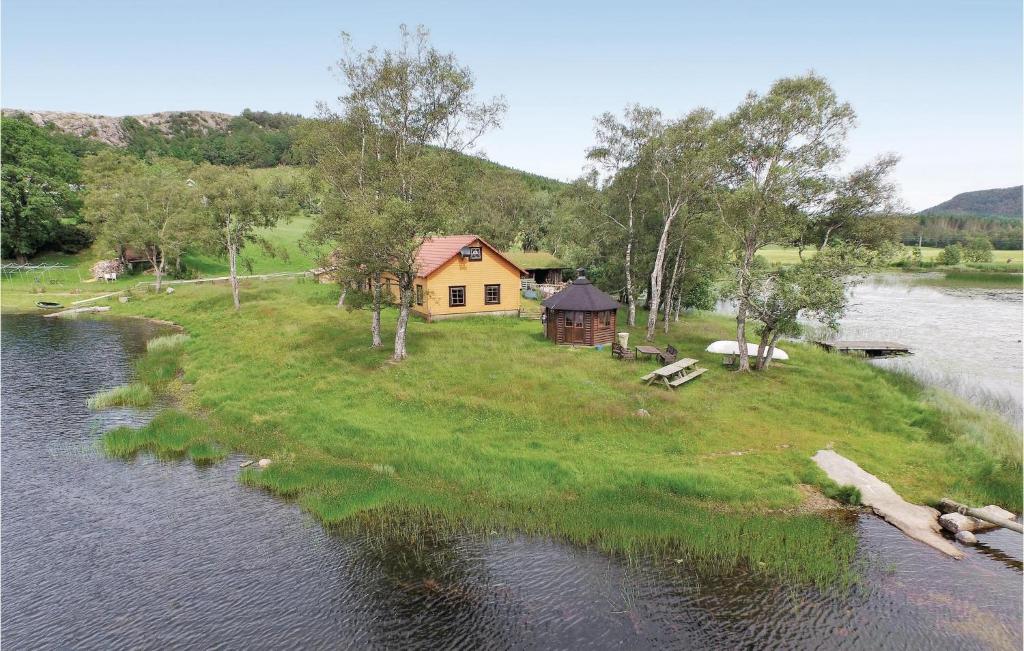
[[938, 82]]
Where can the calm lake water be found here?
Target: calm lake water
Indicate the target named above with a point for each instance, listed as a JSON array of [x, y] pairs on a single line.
[[965, 339], [100, 553]]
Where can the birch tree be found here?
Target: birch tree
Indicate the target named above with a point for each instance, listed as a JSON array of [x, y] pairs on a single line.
[[237, 207], [412, 109], [783, 145], [147, 206], [686, 162], [619, 154]]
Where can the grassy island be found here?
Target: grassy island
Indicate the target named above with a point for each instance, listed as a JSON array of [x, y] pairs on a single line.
[[487, 425]]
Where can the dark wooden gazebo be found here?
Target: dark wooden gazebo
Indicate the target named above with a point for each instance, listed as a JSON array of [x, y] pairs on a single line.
[[580, 314]]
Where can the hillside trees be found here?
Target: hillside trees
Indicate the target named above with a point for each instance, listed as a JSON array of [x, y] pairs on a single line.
[[39, 199], [388, 165]]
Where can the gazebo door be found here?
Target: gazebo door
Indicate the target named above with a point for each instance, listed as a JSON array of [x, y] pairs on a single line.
[[574, 327]]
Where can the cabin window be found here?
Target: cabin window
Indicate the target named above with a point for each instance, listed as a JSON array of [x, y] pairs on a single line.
[[476, 253], [492, 294], [457, 296], [605, 319], [419, 294]]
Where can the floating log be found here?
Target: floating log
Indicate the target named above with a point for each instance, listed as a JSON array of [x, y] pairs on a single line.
[[978, 514], [77, 310], [868, 348]]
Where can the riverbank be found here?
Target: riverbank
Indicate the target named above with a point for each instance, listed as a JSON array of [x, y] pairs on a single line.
[[489, 426]]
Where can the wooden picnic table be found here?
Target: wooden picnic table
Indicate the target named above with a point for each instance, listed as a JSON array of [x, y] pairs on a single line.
[[650, 351], [674, 374]]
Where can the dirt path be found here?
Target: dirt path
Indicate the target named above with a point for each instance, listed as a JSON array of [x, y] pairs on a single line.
[[918, 522]]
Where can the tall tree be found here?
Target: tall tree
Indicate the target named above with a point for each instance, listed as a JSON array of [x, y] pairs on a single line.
[[148, 206], [237, 207], [619, 153], [409, 110], [782, 146], [687, 161]]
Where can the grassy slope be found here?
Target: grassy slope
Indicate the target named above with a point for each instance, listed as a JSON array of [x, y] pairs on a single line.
[[490, 425]]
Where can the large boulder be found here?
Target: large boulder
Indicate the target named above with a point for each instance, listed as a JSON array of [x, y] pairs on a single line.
[[955, 523], [966, 538]]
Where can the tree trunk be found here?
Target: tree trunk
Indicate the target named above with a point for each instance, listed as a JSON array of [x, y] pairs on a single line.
[[233, 267], [341, 298], [741, 311], [375, 323], [630, 294], [762, 345], [405, 305], [671, 289], [157, 261], [771, 350], [657, 275]]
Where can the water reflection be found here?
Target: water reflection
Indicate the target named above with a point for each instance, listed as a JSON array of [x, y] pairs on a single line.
[[100, 553]]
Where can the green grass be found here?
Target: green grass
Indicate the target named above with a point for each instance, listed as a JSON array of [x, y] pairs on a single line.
[[983, 279], [1011, 261], [135, 394], [167, 342], [489, 426]]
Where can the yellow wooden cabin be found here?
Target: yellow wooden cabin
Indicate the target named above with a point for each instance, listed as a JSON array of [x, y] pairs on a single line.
[[462, 275]]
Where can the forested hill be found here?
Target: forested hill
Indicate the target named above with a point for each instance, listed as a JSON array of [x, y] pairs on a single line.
[[252, 139], [997, 202]]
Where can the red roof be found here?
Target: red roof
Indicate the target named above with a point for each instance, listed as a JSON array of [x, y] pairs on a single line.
[[436, 251]]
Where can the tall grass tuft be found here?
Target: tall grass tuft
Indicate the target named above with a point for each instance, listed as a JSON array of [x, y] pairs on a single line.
[[135, 394], [166, 342]]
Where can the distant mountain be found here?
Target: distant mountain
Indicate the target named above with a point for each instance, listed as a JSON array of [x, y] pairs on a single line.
[[997, 202]]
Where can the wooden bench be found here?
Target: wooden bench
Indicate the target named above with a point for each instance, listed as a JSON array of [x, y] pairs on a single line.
[[674, 374], [686, 378]]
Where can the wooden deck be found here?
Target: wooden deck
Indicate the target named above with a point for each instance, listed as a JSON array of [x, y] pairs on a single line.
[[867, 348]]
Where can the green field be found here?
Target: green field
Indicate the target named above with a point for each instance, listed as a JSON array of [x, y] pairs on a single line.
[[489, 426], [1001, 259]]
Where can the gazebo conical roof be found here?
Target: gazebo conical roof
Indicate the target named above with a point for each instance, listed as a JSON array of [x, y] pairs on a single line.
[[581, 295]]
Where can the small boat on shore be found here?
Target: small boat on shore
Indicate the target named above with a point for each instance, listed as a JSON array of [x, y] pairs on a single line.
[[48, 305]]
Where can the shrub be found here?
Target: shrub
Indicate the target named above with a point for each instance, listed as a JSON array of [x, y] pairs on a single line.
[[951, 255], [978, 249]]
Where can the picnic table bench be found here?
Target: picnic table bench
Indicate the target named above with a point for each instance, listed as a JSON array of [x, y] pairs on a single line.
[[674, 374]]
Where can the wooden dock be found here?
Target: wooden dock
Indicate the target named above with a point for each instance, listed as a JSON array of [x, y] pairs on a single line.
[[866, 348]]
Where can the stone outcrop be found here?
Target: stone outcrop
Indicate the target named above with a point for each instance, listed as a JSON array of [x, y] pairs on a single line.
[[110, 129]]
